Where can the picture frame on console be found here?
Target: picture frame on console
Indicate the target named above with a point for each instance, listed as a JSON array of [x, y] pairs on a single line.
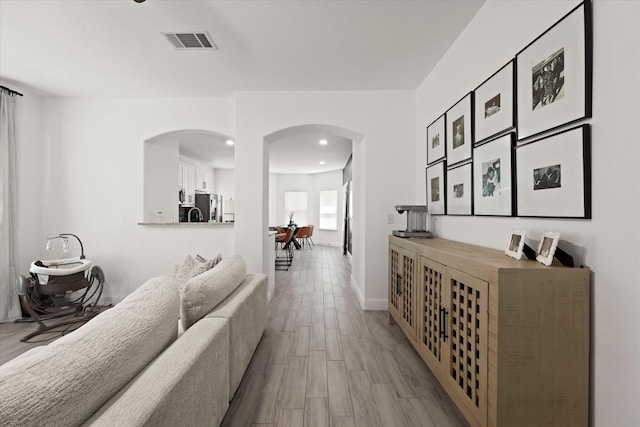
[[494, 104], [547, 247], [459, 131], [554, 75], [515, 246], [460, 190], [554, 175], [493, 177], [436, 140], [436, 189]]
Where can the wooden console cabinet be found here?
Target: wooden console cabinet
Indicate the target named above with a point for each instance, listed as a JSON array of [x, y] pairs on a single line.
[[507, 339]]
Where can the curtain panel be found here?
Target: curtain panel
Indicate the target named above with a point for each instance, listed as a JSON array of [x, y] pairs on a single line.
[[9, 300]]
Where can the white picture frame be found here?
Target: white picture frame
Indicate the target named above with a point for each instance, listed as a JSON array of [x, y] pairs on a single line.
[[460, 190], [436, 140], [459, 131], [436, 189], [547, 247], [515, 245]]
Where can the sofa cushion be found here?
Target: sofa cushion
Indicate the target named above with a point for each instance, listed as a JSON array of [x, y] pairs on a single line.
[[246, 309], [204, 292], [192, 267], [63, 383], [186, 385]]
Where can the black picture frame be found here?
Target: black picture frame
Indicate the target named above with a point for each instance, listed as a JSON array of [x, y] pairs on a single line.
[[436, 188], [495, 104], [554, 175], [494, 177], [459, 131], [460, 190], [554, 75], [436, 140]]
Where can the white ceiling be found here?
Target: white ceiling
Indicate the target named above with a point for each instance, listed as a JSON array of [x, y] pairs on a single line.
[[114, 48]]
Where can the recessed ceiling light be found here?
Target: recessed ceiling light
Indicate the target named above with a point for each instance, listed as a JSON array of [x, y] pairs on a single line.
[[230, 142], [322, 162], [323, 142]]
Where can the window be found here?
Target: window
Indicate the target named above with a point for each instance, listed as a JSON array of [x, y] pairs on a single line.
[[329, 210], [296, 202]]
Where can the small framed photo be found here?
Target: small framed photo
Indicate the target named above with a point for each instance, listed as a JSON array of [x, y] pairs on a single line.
[[554, 175], [554, 75], [547, 247], [459, 132], [493, 177], [515, 246], [436, 189], [460, 190], [494, 102], [436, 140]]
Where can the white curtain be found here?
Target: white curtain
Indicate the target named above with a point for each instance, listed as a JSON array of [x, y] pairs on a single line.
[[9, 300]]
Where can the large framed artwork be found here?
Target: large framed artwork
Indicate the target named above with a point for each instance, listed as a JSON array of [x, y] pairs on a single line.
[[435, 140], [492, 175], [554, 175], [459, 133], [494, 104], [460, 190], [436, 189], [554, 75]]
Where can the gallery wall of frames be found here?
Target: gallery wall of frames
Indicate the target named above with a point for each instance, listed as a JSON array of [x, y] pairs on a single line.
[[519, 143]]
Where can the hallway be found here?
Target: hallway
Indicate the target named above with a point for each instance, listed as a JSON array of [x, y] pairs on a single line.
[[324, 362]]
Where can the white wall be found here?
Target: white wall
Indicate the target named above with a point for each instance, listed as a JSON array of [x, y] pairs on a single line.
[[225, 183], [312, 184], [609, 243], [160, 185], [381, 176], [93, 185]]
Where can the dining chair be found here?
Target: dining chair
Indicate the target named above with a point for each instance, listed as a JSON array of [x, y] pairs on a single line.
[[284, 262]]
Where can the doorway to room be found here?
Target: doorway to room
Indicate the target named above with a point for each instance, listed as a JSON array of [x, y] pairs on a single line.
[[311, 160]]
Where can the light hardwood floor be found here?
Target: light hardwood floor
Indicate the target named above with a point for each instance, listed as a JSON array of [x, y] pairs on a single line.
[[322, 360]]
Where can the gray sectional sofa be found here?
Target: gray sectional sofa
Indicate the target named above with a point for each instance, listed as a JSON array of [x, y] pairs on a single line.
[[133, 366]]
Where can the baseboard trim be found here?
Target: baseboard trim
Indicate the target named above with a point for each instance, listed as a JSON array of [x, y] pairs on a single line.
[[369, 304]]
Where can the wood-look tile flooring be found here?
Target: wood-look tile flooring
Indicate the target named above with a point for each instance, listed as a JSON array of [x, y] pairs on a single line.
[[324, 362]]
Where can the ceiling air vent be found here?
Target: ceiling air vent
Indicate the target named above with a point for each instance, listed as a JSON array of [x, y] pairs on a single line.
[[194, 40]]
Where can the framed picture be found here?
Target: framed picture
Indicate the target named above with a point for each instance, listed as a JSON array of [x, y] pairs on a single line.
[[493, 176], [554, 175], [554, 75], [515, 245], [547, 247], [436, 189], [459, 190], [459, 132], [494, 104], [435, 140]]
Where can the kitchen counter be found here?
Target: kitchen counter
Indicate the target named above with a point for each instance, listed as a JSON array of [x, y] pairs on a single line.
[[188, 224]]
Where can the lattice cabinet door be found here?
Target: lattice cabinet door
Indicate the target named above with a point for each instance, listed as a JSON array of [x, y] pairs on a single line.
[[467, 329], [409, 294], [431, 334], [395, 280]]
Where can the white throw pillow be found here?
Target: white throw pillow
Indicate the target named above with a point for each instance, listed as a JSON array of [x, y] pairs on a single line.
[[203, 293], [192, 267]]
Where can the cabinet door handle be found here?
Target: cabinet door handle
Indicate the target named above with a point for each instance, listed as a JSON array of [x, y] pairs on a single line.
[[399, 284], [444, 324], [440, 323]]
